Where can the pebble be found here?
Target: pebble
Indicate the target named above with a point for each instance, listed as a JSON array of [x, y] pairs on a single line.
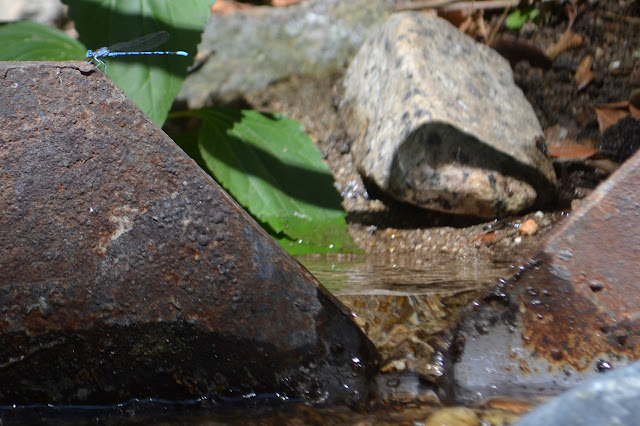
[[459, 416], [528, 227]]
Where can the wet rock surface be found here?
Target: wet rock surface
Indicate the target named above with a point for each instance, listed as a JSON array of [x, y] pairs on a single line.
[[410, 331], [127, 272], [570, 313], [438, 122], [610, 399]]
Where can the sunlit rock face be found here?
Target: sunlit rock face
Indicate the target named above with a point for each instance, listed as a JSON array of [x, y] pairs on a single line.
[[438, 122]]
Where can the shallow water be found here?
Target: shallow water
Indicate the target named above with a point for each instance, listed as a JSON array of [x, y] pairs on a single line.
[[406, 305], [407, 275]]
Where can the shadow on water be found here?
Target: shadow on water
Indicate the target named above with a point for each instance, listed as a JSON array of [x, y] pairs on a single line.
[[148, 411], [405, 305]]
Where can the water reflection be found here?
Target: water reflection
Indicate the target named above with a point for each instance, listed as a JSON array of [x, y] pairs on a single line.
[[407, 306], [407, 275]]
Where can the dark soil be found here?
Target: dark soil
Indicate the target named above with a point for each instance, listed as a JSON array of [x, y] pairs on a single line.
[[613, 43], [383, 226]]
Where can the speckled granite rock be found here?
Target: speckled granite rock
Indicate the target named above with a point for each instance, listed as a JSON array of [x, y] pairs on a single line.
[[438, 121]]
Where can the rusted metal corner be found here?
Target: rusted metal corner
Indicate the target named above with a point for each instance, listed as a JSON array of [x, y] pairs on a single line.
[[572, 312], [127, 272]]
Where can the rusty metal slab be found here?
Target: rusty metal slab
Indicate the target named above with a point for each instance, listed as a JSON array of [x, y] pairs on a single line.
[[127, 272], [571, 312]]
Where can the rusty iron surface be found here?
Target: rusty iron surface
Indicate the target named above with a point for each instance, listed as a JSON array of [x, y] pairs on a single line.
[[127, 272], [573, 311]]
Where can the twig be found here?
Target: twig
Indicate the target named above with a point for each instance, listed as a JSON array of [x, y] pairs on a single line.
[[426, 4], [479, 5], [630, 19], [497, 27], [453, 5]]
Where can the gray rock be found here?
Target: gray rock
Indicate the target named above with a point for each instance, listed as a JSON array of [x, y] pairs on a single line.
[[43, 11], [438, 121], [611, 399], [252, 48]]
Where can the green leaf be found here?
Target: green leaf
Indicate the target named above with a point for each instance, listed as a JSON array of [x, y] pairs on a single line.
[[516, 19], [273, 170], [151, 81], [30, 41]]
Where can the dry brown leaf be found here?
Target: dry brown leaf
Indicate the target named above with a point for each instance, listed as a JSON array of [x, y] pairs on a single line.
[[604, 164], [456, 18], [485, 239], [468, 27], [609, 114], [583, 74], [630, 19], [511, 405], [563, 134], [634, 98], [222, 7], [483, 29], [569, 40], [468, 21], [572, 12], [474, 25], [577, 151]]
